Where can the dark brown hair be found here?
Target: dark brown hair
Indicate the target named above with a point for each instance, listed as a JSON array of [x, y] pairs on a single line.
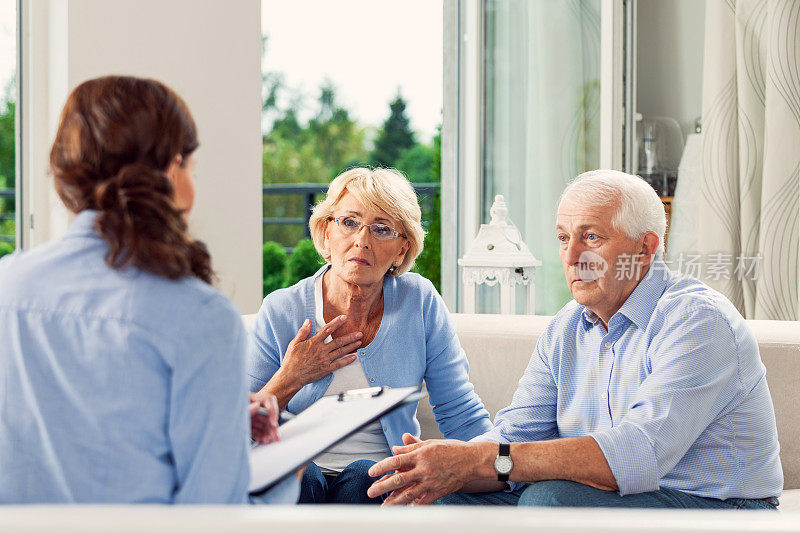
[[116, 139]]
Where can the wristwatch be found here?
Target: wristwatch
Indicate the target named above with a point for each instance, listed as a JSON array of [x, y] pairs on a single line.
[[503, 463]]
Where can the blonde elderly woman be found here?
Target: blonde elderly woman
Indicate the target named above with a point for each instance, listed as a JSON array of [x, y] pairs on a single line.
[[388, 327]]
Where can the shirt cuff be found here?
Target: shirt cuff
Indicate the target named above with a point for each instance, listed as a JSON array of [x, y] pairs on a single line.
[[285, 491], [630, 456]]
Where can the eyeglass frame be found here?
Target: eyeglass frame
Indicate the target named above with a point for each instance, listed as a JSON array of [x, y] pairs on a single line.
[[394, 235]]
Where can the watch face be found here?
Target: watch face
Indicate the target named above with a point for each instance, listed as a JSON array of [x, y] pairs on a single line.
[[503, 464]]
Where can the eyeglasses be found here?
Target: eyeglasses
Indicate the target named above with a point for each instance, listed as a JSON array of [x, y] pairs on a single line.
[[352, 225]]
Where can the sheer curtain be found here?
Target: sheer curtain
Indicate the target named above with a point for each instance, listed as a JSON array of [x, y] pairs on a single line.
[[542, 114], [749, 206]]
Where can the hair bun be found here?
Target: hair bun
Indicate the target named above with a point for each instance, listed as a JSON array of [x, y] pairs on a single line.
[[137, 213], [134, 182]]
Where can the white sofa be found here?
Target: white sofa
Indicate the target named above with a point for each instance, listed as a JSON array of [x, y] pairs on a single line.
[[499, 346]]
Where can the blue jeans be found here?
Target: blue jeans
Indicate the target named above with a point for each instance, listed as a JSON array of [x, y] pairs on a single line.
[[481, 498], [570, 494], [349, 486]]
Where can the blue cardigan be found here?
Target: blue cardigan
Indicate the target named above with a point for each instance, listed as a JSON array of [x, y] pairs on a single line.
[[416, 340]]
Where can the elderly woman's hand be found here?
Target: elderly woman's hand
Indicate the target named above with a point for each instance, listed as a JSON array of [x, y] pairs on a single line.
[[308, 359]]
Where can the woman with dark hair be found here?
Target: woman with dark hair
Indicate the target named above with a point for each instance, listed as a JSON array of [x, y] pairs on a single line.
[[122, 370]]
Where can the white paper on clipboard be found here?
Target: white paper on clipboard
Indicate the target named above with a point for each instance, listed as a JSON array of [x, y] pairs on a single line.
[[323, 424]]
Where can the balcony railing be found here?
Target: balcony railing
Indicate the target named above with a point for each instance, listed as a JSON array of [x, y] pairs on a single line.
[[309, 191]]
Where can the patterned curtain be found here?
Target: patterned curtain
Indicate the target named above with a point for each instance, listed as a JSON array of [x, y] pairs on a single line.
[[749, 207]]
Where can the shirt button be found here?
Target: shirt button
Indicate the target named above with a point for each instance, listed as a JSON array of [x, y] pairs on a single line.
[[608, 345], [604, 395], [372, 380]]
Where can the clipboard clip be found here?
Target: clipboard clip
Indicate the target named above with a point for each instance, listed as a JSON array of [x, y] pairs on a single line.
[[369, 392]]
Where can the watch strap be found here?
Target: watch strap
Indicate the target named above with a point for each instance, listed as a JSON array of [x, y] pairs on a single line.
[[505, 450]]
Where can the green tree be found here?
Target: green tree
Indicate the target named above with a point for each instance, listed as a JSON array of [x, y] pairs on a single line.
[[7, 146], [7, 158], [417, 163], [6, 248], [304, 261], [307, 153], [274, 257], [394, 137], [429, 262], [337, 138]]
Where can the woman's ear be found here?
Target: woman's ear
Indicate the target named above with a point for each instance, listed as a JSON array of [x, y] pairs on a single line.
[[173, 167], [326, 239], [401, 255]]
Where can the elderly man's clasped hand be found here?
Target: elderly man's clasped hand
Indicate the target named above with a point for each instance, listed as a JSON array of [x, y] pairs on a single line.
[[424, 471]]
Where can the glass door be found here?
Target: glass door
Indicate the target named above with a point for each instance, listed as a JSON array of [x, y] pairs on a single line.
[[541, 119], [540, 96]]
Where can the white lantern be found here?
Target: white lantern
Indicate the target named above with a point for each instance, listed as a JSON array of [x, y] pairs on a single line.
[[498, 256]]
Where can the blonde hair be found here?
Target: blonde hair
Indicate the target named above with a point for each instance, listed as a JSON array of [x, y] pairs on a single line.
[[385, 189]]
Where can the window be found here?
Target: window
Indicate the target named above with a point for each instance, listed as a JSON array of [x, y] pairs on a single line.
[[345, 88], [8, 67]]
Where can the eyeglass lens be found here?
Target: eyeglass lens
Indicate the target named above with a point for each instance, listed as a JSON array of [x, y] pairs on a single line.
[[353, 225]]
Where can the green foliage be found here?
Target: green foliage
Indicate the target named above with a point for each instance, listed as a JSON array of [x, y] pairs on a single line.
[[417, 163], [7, 148], [304, 261], [394, 137], [7, 159], [436, 166], [429, 262], [6, 248], [315, 152], [274, 257]]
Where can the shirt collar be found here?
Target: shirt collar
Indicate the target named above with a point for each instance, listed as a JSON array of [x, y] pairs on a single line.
[[83, 225], [639, 306]]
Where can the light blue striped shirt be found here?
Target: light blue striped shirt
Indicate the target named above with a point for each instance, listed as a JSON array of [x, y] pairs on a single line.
[[118, 386], [674, 393]]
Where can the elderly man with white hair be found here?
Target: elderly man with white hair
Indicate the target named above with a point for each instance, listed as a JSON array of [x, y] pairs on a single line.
[[647, 390]]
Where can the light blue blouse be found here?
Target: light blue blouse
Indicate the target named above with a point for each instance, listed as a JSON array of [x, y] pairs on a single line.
[[416, 341], [117, 386]]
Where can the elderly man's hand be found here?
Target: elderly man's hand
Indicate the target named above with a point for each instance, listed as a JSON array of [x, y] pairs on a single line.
[[424, 471]]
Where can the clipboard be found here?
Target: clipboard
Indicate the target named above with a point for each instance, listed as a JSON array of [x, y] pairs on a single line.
[[323, 424]]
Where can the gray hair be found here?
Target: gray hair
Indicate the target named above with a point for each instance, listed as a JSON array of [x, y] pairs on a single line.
[[639, 209]]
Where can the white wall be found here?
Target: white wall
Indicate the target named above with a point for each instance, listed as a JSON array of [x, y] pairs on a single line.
[[209, 52], [670, 59]]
